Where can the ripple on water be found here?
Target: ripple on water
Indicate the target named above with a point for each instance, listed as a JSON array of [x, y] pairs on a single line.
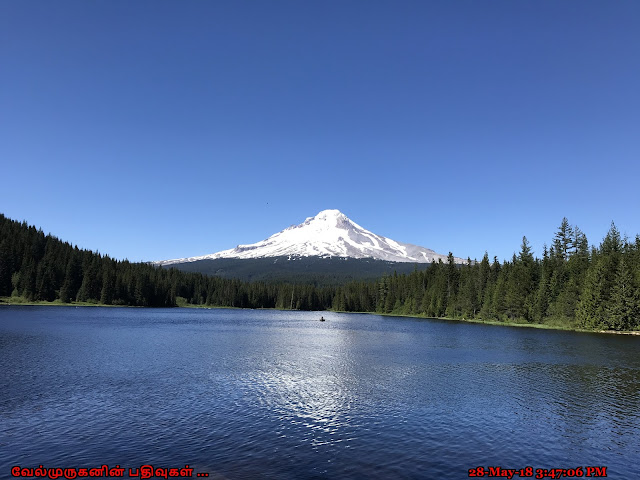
[[277, 395]]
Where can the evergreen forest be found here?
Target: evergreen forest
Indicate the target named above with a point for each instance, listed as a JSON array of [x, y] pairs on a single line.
[[573, 285]]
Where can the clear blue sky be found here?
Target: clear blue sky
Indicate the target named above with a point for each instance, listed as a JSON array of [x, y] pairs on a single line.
[[152, 129]]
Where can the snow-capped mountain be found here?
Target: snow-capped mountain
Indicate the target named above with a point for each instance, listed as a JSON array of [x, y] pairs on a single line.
[[329, 234]]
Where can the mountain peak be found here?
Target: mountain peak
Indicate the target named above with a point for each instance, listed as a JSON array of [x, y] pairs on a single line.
[[329, 213], [331, 218], [328, 234]]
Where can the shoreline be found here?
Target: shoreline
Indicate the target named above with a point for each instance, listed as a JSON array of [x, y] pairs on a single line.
[[12, 301], [498, 323]]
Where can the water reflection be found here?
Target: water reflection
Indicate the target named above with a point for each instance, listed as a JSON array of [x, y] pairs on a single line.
[[280, 395], [305, 381]]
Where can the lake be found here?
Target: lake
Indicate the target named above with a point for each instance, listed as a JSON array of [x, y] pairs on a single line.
[[244, 394]]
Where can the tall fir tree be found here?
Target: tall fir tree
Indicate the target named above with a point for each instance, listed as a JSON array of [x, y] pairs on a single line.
[[590, 313], [624, 308]]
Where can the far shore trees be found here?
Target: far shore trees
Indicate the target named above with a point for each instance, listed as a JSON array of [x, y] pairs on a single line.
[[571, 286]]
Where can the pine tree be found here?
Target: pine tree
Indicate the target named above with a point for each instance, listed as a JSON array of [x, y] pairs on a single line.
[[520, 283], [541, 300], [91, 285], [483, 275], [382, 291], [108, 285], [563, 241], [498, 301], [453, 283], [27, 286], [45, 282], [6, 267], [591, 312], [15, 282], [624, 309], [581, 245], [468, 293], [612, 243]]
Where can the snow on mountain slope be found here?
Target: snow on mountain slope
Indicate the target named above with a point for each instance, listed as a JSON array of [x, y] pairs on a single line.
[[329, 234]]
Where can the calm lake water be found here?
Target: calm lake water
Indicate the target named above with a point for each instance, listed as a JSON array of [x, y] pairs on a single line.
[[244, 394]]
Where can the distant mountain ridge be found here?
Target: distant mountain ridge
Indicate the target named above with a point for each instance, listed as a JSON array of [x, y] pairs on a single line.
[[328, 234], [317, 271]]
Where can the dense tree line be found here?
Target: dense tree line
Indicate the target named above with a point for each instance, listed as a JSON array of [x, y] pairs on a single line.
[[318, 271], [572, 284], [35, 267]]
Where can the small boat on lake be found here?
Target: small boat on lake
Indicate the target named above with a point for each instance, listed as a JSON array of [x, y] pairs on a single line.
[[322, 319]]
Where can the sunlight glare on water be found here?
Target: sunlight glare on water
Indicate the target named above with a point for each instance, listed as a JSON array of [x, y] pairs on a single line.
[[268, 394]]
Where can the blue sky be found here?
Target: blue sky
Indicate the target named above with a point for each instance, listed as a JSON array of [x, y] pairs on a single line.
[[151, 129]]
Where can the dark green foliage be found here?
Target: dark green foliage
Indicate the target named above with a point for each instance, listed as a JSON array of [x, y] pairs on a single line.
[[571, 285], [41, 267], [72, 277], [591, 308], [624, 308], [306, 270], [6, 267]]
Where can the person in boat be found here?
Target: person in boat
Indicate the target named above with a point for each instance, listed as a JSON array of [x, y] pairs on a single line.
[[322, 319]]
